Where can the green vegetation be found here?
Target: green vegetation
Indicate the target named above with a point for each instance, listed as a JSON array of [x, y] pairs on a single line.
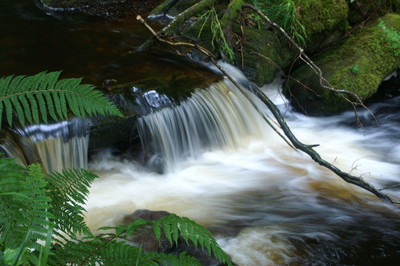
[[41, 215], [218, 36], [358, 65], [392, 37], [284, 13], [34, 98], [355, 69]]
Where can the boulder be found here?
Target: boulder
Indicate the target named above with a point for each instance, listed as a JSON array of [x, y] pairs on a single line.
[[325, 22], [358, 65], [263, 55], [143, 90], [362, 10]]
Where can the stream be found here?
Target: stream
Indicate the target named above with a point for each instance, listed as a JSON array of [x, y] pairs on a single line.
[[222, 165]]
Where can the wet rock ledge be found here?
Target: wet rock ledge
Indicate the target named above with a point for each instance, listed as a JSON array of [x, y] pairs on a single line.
[[101, 8]]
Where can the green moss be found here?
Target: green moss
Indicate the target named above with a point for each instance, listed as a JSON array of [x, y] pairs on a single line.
[[264, 42], [369, 49], [323, 20], [362, 10], [319, 16]]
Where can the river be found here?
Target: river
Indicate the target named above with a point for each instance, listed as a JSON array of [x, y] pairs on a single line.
[[266, 203]]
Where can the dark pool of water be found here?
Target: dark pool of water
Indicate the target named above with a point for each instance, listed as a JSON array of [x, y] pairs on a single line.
[[33, 40]]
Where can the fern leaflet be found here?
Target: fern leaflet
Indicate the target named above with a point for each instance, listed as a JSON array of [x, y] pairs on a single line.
[[69, 190]]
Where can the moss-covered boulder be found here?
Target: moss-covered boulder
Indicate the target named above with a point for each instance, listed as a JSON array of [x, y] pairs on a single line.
[[325, 21], [262, 55], [362, 10], [358, 65]]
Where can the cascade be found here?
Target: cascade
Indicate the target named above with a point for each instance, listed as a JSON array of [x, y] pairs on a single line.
[[56, 146], [219, 116]]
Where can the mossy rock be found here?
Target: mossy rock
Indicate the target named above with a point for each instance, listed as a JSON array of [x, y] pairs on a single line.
[[177, 8], [325, 21], [362, 10], [263, 55], [357, 65]]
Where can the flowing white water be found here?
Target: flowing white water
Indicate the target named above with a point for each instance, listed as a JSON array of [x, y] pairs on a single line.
[[58, 146], [218, 117], [267, 203]]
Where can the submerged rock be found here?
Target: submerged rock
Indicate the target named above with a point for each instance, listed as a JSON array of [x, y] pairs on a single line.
[[358, 65], [149, 243], [148, 91]]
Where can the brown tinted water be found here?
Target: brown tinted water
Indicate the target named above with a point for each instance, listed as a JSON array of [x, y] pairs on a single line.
[[97, 49], [267, 204]]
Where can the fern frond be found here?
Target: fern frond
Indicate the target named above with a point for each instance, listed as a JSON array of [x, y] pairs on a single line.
[[38, 97], [24, 216], [190, 230], [69, 190], [96, 251], [173, 226], [106, 251], [37, 208], [152, 258], [12, 197]]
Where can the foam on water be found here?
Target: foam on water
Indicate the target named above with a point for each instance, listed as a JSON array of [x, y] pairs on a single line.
[[267, 203]]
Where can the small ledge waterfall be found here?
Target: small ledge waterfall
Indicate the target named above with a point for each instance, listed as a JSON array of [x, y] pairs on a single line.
[[219, 116], [57, 146]]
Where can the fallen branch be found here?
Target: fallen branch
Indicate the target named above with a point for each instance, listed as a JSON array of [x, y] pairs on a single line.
[[291, 138], [176, 22]]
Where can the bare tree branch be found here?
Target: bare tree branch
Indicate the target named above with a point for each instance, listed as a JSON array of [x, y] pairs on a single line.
[[177, 22]]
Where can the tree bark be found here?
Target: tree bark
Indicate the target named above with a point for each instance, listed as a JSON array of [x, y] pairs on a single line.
[[173, 26]]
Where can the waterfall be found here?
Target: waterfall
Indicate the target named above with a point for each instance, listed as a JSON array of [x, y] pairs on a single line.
[[56, 146], [219, 116]]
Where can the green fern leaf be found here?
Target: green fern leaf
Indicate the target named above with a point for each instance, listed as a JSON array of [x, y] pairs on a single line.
[[35, 98], [69, 190], [23, 189], [168, 233], [18, 109], [4, 83], [96, 251], [26, 108], [8, 106], [195, 233], [152, 258], [42, 107], [157, 229]]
